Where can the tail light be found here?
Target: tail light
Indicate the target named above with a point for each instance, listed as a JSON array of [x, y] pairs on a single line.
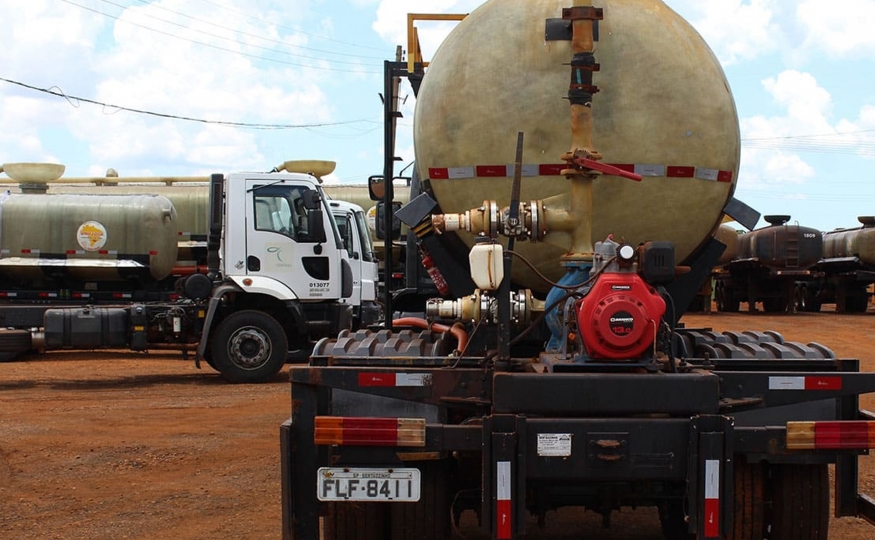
[[369, 431], [847, 435]]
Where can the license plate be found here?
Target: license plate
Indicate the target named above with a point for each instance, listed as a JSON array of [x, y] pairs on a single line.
[[366, 484]]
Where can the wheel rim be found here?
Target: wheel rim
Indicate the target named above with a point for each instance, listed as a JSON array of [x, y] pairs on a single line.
[[249, 348]]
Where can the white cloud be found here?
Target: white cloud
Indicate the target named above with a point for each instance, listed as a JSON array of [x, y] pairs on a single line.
[[735, 30], [844, 29]]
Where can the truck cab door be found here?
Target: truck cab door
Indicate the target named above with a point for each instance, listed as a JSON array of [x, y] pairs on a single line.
[[291, 238], [346, 225]]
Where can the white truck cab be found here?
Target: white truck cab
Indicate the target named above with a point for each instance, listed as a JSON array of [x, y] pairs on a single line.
[[284, 274], [351, 222]]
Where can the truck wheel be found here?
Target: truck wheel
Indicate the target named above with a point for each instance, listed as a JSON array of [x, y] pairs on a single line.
[[13, 343], [355, 521], [429, 518], [748, 520], [800, 502], [726, 300], [249, 346]]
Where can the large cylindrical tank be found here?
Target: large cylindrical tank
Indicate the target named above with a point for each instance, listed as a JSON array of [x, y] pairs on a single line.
[[664, 109], [782, 245], [858, 242], [728, 236], [87, 237]]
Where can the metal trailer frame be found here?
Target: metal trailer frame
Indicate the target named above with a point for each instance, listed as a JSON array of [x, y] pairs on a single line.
[[690, 428]]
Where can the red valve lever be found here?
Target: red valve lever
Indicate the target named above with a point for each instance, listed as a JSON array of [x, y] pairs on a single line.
[[605, 168]]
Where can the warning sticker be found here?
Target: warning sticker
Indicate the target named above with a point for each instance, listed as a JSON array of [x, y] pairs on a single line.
[[554, 444]]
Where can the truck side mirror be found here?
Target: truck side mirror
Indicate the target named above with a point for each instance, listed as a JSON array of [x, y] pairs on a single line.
[[376, 187], [312, 200], [381, 220], [315, 226]]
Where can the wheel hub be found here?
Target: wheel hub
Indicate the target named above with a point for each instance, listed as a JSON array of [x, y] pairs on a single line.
[[249, 348]]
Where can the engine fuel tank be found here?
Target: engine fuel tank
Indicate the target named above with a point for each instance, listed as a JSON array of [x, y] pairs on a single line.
[[87, 237], [664, 109]]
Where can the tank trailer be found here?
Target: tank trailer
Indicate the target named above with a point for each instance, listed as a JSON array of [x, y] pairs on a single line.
[[86, 271], [556, 373]]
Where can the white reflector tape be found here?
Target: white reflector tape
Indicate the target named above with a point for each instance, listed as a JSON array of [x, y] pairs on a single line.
[[712, 479], [786, 383], [707, 174], [503, 500], [649, 169], [413, 379], [460, 172]]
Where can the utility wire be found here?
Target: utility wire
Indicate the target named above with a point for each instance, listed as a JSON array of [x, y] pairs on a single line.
[[256, 36], [72, 98], [218, 36], [217, 47], [253, 17]]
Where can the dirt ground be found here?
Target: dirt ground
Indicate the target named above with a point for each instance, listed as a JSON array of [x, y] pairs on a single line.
[[111, 445]]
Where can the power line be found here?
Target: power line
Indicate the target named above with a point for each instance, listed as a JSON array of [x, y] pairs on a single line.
[[217, 47], [253, 17], [217, 36], [72, 98], [146, 2]]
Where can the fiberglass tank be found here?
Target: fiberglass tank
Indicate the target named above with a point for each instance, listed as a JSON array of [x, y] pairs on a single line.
[[664, 109], [87, 237]]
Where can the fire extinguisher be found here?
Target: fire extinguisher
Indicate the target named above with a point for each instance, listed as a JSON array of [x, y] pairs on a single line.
[[433, 272]]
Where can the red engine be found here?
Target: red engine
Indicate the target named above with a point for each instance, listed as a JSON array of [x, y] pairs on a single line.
[[619, 317]]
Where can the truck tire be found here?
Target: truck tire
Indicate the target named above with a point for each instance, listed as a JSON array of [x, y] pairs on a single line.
[[355, 521], [806, 299], [249, 346], [13, 343], [429, 518], [800, 502], [726, 300], [748, 520]]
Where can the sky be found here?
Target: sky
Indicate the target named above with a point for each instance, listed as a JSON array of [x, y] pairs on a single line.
[[304, 78]]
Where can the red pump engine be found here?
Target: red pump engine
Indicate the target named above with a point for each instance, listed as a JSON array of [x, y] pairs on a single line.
[[619, 317]]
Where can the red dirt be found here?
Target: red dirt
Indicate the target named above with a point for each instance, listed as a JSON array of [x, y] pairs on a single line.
[[110, 445]]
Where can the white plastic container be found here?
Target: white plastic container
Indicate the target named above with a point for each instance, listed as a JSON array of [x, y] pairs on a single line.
[[487, 265]]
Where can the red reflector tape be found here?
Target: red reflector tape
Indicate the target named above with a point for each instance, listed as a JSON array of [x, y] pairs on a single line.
[[394, 379], [491, 171], [673, 171], [551, 169], [823, 383], [376, 379]]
